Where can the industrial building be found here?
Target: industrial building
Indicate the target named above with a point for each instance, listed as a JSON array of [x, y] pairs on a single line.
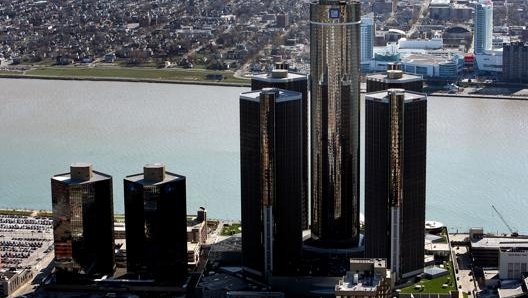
[[335, 105], [271, 181], [83, 217], [395, 177], [156, 225]]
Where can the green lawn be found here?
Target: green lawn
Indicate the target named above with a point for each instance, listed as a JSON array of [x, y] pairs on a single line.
[[434, 285], [148, 73], [231, 229]]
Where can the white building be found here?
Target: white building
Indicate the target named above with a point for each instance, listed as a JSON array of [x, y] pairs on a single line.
[[367, 38], [483, 29], [489, 61], [428, 44], [512, 263]]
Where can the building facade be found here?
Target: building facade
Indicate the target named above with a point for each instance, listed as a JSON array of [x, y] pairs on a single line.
[[483, 26], [271, 181], [395, 176], [335, 105], [156, 225], [515, 62], [368, 33], [83, 222], [281, 78]]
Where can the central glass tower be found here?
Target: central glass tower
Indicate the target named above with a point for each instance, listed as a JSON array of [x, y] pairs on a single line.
[[335, 49]]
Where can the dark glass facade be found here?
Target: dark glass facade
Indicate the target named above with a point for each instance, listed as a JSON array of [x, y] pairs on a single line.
[[271, 181], [335, 105], [395, 177], [515, 62], [299, 83], [83, 222], [156, 225]]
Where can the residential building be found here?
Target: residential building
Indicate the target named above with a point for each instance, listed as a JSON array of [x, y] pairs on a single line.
[[368, 31]]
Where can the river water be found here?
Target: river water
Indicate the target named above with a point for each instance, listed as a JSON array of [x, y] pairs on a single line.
[[477, 148]]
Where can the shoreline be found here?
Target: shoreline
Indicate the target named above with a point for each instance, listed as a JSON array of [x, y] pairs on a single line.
[[221, 84], [118, 79]]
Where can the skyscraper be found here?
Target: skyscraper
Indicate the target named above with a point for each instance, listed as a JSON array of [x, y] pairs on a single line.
[[395, 176], [271, 181], [483, 26], [334, 60], [281, 78], [156, 224], [83, 222], [368, 29]]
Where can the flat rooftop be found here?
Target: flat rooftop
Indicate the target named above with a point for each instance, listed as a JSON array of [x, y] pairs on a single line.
[[491, 242]]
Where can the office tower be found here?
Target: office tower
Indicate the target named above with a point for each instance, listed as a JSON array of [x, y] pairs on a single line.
[[271, 181], [394, 78], [83, 222], [282, 79], [334, 56], [395, 164], [156, 224], [368, 31], [515, 62], [483, 26]]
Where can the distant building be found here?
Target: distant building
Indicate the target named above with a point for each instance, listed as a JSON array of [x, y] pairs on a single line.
[[433, 66], [490, 61], [368, 33], [395, 177], [457, 36], [271, 181], [515, 62], [282, 20], [427, 44], [394, 78], [83, 219], [483, 26], [367, 278], [156, 224]]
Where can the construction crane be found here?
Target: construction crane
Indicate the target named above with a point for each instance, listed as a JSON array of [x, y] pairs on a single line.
[[513, 233]]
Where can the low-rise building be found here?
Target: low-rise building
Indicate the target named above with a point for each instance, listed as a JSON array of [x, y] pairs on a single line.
[[366, 278]]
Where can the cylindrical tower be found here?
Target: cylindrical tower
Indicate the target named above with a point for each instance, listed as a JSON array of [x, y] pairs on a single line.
[[335, 49]]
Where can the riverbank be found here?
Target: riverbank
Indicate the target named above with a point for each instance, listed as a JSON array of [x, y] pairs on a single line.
[[128, 74]]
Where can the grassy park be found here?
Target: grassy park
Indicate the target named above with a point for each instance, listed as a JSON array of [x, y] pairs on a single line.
[[137, 73]]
